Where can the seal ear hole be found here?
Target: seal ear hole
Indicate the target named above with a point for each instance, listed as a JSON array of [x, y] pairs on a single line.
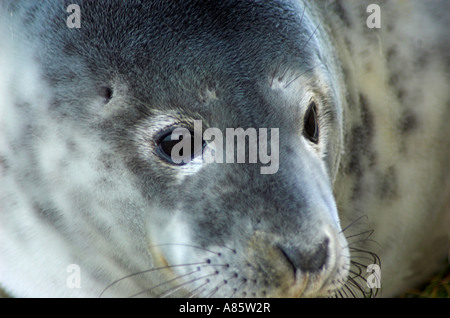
[[106, 93], [311, 123]]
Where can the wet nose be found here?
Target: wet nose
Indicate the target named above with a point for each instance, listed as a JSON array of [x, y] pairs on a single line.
[[310, 260]]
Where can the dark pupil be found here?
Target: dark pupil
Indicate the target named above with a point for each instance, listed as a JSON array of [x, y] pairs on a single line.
[[311, 128], [166, 146]]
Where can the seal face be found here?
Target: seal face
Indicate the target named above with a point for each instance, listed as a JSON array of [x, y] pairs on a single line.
[[93, 175]]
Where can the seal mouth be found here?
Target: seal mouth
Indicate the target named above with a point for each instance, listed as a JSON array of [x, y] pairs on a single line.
[[316, 285], [220, 271], [267, 264], [300, 286]]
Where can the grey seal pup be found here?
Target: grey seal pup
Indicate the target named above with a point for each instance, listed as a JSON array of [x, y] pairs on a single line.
[[349, 101]]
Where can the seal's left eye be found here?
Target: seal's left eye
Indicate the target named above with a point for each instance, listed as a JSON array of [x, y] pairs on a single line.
[[310, 123]]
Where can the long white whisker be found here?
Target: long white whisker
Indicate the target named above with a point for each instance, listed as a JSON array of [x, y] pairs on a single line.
[[176, 288], [164, 283], [145, 272]]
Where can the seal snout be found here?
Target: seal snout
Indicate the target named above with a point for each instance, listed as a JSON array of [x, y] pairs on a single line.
[[298, 267], [311, 261]]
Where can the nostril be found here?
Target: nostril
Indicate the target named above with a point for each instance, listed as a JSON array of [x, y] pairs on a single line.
[[306, 259]]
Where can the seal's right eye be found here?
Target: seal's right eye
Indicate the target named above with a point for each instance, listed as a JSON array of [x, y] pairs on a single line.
[[183, 154], [165, 146]]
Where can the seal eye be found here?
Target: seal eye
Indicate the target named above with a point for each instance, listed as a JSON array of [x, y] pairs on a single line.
[[310, 124], [165, 148]]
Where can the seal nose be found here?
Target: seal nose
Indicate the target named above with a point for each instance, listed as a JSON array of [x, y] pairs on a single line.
[[312, 260]]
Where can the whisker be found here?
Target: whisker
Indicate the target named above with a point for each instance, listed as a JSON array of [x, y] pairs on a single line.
[[354, 222], [287, 68], [375, 258], [351, 290], [356, 266], [234, 292], [201, 286], [303, 13], [298, 76], [366, 240], [355, 284], [147, 271], [237, 288], [312, 34], [166, 282], [344, 291], [370, 260], [225, 282], [202, 264], [176, 288], [368, 232], [213, 292], [356, 280]]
